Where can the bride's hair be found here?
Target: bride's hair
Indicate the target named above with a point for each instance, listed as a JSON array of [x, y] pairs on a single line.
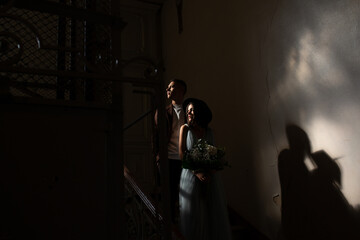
[[202, 112]]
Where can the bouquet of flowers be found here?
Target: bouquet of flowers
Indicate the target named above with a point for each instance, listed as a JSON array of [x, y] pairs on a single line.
[[204, 156]]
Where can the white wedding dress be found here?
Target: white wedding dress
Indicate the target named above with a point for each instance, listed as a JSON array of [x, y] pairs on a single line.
[[203, 207]]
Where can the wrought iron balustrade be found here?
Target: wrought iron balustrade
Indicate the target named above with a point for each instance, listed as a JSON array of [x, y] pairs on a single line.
[[144, 217], [58, 50]]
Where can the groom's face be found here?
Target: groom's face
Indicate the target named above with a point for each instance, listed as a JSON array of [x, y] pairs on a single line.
[[174, 91]]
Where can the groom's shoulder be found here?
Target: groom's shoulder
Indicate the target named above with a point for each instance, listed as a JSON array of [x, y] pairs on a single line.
[[169, 107]]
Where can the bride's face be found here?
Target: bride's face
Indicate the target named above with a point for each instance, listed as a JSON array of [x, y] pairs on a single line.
[[190, 116]]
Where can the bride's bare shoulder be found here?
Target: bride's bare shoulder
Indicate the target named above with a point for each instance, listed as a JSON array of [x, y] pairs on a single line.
[[184, 129]]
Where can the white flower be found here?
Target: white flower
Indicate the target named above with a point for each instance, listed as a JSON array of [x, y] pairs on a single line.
[[211, 150], [195, 154]]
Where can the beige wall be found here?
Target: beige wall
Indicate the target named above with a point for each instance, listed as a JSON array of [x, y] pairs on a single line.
[[260, 65]]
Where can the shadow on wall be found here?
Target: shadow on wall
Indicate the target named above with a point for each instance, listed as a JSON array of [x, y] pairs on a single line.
[[313, 206]]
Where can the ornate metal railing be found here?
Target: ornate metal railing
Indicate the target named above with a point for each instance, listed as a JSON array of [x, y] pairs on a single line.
[[67, 51], [144, 217], [58, 49]]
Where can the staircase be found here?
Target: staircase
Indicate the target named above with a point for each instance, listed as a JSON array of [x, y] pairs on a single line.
[[145, 220]]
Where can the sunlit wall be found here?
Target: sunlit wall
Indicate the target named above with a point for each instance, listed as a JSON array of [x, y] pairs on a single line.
[[313, 64], [310, 61], [261, 65]]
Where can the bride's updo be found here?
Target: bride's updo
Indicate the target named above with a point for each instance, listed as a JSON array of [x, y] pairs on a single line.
[[202, 112]]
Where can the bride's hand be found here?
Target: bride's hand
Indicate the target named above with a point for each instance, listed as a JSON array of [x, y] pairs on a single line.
[[203, 176]]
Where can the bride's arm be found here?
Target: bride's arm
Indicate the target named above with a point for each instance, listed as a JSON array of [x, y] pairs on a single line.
[[182, 140]]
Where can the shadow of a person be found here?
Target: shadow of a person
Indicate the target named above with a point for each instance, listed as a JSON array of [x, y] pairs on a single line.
[[313, 206], [294, 177], [330, 214]]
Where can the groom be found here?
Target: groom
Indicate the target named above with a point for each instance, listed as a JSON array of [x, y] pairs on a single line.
[[175, 118]]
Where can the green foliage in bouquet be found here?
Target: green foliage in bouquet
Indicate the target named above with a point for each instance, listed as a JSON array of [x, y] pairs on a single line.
[[204, 156]]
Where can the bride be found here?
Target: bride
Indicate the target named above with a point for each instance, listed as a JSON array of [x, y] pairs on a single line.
[[203, 209]]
